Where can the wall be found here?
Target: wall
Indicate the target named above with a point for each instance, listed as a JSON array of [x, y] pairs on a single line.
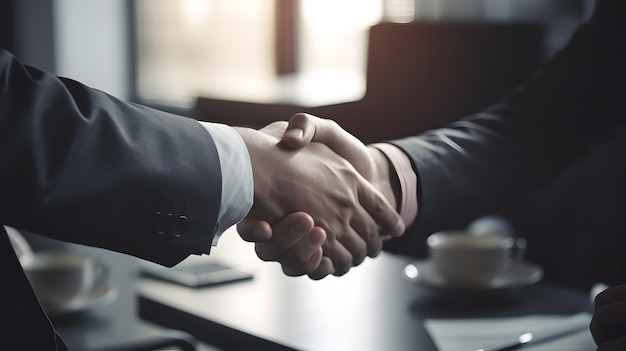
[[91, 43]]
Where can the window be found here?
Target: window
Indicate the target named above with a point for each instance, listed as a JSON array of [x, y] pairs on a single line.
[[240, 49]]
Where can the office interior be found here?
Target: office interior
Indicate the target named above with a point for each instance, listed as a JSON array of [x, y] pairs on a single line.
[[249, 62]]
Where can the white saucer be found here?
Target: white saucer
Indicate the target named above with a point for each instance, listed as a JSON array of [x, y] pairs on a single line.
[[100, 296], [518, 275]]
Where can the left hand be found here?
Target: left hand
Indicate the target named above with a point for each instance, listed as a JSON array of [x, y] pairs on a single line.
[[297, 245], [326, 186], [369, 161], [608, 325]]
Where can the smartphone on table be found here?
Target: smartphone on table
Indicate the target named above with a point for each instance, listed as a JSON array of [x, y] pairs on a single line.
[[197, 274]]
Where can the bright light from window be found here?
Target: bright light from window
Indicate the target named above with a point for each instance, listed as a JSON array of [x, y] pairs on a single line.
[[401, 11], [333, 15], [188, 47], [226, 48], [333, 34], [194, 11]]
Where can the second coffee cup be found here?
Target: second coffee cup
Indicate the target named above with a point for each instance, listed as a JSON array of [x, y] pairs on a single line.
[[58, 278], [470, 261]]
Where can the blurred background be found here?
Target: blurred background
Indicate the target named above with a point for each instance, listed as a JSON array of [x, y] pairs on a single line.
[[168, 53], [382, 68]]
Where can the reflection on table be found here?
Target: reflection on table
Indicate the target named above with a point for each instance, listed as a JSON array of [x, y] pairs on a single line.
[[373, 307], [107, 320]]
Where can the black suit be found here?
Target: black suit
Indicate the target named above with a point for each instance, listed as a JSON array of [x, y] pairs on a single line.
[[81, 166], [496, 159]]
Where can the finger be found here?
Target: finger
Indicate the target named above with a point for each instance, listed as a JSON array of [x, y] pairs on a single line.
[[380, 210], [292, 272], [340, 257], [285, 234], [325, 269], [314, 262], [300, 254], [300, 131], [368, 230], [354, 244], [304, 128], [308, 267], [253, 230]]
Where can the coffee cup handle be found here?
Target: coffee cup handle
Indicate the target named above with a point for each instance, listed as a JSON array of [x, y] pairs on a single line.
[[519, 249]]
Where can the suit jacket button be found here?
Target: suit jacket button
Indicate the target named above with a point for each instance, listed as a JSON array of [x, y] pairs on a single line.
[[180, 226], [161, 228]]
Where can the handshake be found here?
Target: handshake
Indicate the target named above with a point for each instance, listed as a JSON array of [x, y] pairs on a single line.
[[323, 200]]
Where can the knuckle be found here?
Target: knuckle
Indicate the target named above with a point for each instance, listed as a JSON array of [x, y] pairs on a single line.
[[341, 272], [359, 254], [308, 267], [294, 259], [332, 123], [342, 265], [292, 272], [263, 252], [374, 250], [318, 276]]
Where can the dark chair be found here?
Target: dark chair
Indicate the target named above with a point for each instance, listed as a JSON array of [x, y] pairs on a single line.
[[419, 76]]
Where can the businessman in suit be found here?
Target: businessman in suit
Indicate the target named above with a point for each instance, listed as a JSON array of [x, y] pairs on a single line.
[[81, 166], [492, 160]]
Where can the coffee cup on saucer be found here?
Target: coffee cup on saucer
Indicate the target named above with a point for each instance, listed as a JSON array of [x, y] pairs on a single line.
[[465, 260], [60, 278]]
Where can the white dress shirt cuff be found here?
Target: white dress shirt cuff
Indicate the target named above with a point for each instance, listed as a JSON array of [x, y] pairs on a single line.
[[237, 181]]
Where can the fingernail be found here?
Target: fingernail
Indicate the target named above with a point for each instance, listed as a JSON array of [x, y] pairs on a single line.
[[296, 133], [300, 227]]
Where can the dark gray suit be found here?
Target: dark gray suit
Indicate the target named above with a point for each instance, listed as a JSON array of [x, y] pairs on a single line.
[[497, 159], [81, 166]]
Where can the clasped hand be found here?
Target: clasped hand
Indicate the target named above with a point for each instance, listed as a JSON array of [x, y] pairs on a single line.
[[308, 194]]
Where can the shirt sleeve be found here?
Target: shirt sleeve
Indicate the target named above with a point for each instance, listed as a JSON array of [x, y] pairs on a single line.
[[408, 180], [237, 181]]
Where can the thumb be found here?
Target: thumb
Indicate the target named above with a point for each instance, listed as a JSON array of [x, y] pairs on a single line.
[[300, 131], [304, 128]]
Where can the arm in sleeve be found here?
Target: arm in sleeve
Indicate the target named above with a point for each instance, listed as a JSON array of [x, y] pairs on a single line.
[[81, 166], [491, 160], [237, 181]]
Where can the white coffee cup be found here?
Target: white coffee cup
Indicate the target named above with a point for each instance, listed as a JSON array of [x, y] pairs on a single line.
[[60, 277], [472, 261]]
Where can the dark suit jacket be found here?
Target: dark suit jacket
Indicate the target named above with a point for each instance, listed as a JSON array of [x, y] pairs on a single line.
[[493, 160], [81, 166]]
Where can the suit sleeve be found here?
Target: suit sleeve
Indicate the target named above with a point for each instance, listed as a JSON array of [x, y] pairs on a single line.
[[81, 166], [492, 160]]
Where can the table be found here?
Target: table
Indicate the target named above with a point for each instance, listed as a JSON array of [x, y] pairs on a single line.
[[116, 326], [373, 307]]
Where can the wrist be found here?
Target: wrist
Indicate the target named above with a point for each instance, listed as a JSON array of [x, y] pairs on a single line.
[[255, 144], [385, 178]]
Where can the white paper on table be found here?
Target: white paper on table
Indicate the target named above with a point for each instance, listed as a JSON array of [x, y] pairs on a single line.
[[476, 333]]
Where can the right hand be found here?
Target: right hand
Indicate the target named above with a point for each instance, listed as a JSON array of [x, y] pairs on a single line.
[[295, 257], [370, 162], [319, 182]]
